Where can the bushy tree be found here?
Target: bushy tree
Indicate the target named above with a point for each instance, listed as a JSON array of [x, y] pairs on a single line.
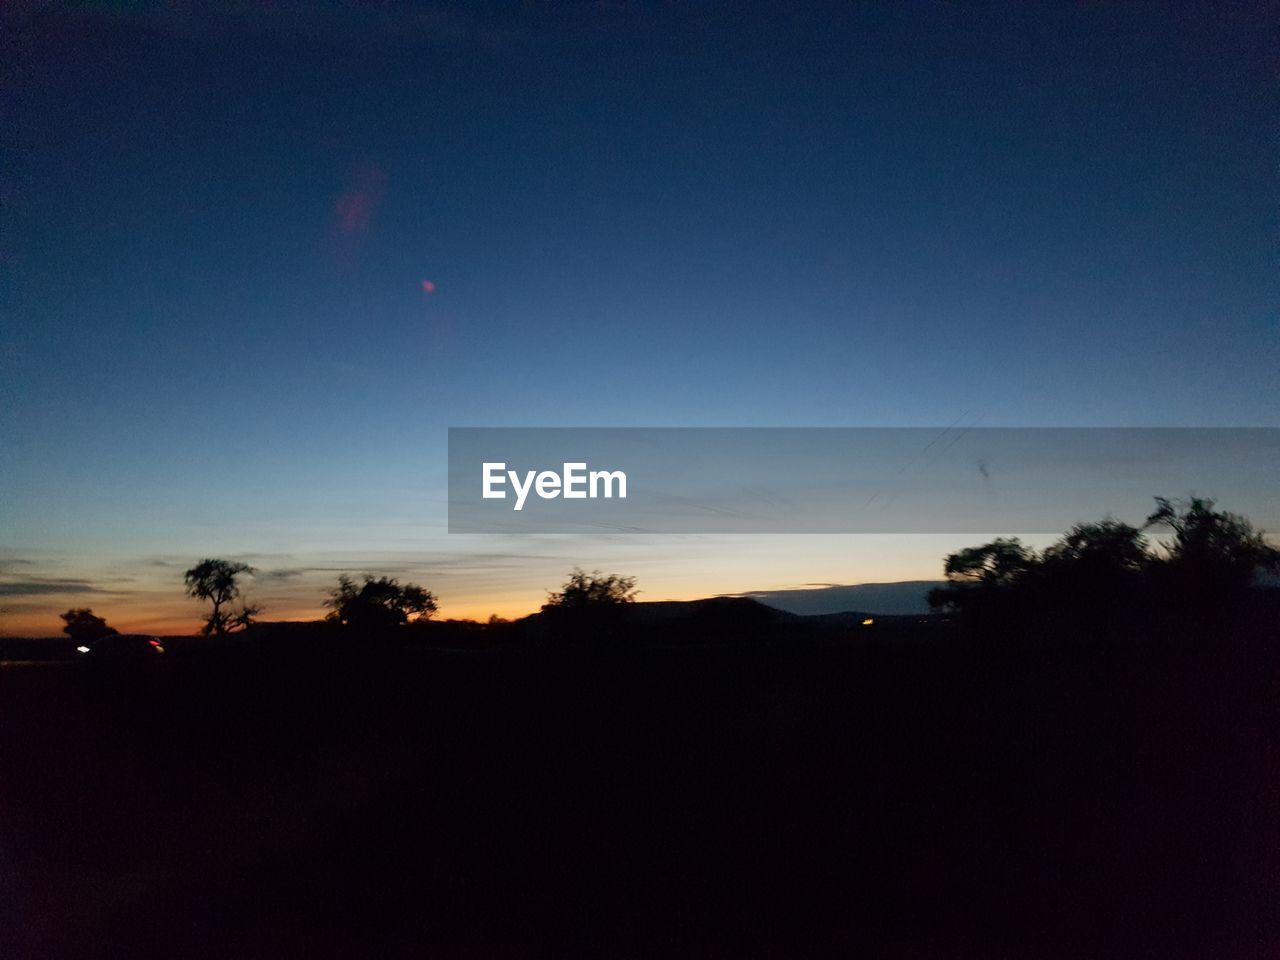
[[379, 602], [1106, 574], [218, 581], [1212, 546], [974, 574], [84, 627], [998, 563], [593, 590], [1103, 548], [589, 607]]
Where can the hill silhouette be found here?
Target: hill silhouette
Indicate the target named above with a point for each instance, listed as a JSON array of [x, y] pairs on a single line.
[[903, 598]]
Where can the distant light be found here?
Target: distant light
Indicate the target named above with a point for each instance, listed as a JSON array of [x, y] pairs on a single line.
[[428, 286], [869, 621], [82, 649]]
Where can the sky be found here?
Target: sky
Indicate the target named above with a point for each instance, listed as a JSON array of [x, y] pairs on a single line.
[[256, 259]]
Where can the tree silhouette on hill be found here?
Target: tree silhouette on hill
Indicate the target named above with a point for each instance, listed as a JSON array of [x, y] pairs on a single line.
[[218, 581], [591, 590], [589, 605], [379, 603]]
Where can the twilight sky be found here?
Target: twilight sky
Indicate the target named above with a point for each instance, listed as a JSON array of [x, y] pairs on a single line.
[[254, 263]]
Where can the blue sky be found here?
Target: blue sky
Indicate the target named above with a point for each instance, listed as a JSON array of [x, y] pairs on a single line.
[[217, 228]]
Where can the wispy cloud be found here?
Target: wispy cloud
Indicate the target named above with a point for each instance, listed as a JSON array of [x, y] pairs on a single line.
[[42, 586], [279, 576]]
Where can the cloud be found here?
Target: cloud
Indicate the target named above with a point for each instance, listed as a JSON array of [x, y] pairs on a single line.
[[23, 607], [274, 576], [40, 586]]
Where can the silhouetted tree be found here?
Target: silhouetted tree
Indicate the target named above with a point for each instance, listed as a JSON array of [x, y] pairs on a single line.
[[1104, 548], [379, 603], [974, 574], [1212, 546], [590, 605], [1096, 573], [592, 590], [218, 582], [1106, 575], [998, 563], [83, 626]]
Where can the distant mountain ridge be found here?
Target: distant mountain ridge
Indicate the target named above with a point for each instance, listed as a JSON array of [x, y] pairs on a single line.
[[904, 598]]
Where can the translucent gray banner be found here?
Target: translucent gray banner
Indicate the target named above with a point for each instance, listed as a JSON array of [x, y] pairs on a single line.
[[847, 479]]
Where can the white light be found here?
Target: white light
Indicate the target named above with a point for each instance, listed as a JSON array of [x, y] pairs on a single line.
[[82, 649]]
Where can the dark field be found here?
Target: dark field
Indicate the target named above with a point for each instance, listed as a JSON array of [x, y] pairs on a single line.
[[928, 796]]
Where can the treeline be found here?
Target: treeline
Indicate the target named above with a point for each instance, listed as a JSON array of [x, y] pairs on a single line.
[[1110, 576], [378, 604], [1098, 577]]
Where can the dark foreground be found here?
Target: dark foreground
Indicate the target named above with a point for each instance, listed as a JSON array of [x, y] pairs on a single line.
[[919, 797]]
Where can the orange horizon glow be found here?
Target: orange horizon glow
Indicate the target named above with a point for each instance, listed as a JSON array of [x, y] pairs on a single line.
[[164, 620], [130, 619], [138, 597]]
